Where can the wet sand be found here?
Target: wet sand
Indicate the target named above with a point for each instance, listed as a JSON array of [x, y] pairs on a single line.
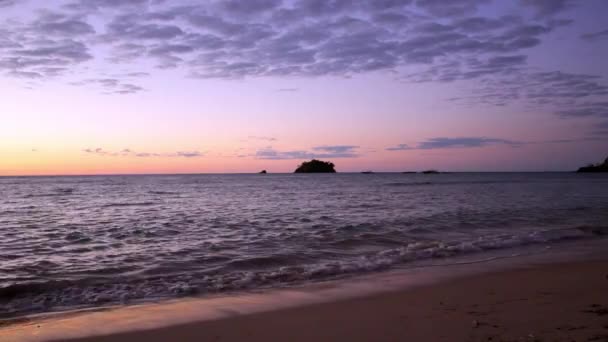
[[556, 302]]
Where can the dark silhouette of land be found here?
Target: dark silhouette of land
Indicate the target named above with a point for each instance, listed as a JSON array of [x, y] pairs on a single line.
[[316, 166], [603, 167], [430, 172], [263, 172]]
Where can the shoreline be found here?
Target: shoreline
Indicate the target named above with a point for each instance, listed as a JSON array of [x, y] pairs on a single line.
[[560, 302], [349, 299], [551, 250]]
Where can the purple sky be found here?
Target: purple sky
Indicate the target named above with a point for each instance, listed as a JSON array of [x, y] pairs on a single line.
[[112, 86]]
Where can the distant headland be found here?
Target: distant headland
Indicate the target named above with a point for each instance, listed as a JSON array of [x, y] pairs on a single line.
[[603, 167], [316, 166]]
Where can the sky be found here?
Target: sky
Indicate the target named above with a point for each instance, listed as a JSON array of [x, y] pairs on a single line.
[[159, 86]]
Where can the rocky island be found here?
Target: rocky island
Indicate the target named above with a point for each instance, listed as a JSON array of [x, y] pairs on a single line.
[[316, 166], [603, 167]]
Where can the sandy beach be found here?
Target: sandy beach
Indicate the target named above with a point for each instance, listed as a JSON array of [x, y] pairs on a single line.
[[565, 301]]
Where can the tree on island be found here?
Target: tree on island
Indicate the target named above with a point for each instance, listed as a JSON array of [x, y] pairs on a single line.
[[603, 167], [316, 166]]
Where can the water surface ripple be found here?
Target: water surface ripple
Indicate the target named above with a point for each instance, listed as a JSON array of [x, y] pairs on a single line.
[[72, 242]]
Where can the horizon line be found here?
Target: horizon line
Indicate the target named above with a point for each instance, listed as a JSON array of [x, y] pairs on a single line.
[[254, 173]]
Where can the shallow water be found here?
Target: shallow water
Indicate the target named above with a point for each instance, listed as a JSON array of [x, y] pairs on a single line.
[[72, 242]]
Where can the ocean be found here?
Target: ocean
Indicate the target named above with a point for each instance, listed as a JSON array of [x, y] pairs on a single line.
[[93, 241]]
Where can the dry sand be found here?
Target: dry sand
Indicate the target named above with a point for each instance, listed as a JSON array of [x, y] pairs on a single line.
[[559, 302]]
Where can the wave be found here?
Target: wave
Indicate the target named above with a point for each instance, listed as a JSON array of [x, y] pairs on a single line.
[[64, 190], [59, 192], [30, 289], [43, 195], [409, 183], [399, 184], [594, 230], [253, 272], [164, 193], [260, 262], [77, 238], [135, 204]]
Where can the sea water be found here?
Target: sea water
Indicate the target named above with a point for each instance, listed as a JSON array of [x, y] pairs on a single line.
[[80, 242]]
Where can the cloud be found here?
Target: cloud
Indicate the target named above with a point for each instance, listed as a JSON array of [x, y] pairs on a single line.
[[597, 109], [111, 85], [545, 8], [602, 125], [130, 153], [57, 24], [271, 154], [261, 138], [600, 129], [187, 154], [458, 51], [464, 142], [566, 141], [442, 8], [595, 36], [46, 58], [568, 95], [400, 147], [6, 3], [235, 39], [288, 90], [97, 151], [44, 48], [122, 76], [127, 28], [249, 7], [319, 152], [336, 148], [88, 5], [460, 142], [478, 142]]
